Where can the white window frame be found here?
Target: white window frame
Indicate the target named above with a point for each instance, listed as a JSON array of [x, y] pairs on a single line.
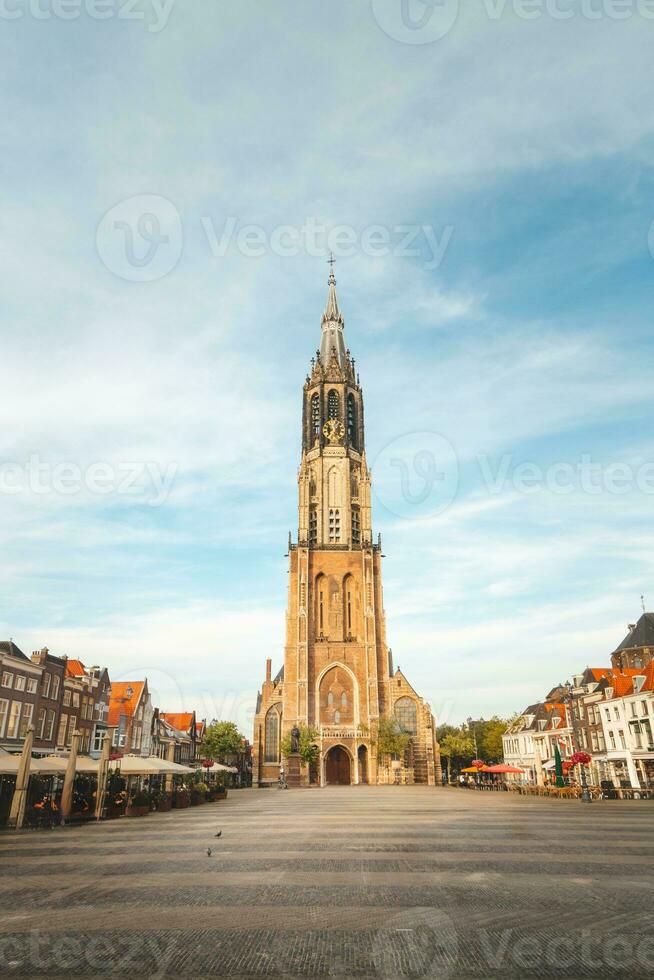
[[7, 678], [4, 714], [32, 685], [13, 723], [19, 682]]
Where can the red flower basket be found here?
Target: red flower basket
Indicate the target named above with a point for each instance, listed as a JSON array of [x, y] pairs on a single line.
[[580, 758], [478, 763]]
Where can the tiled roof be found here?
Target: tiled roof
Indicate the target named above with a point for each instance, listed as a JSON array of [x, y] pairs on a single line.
[[9, 648], [181, 720], [121, 703], [75, 668], [642, 635]]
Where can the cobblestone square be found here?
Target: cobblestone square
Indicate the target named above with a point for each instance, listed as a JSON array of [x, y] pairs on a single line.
[[346, 881]]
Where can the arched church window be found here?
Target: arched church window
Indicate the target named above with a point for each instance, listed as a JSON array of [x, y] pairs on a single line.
[[334, 526], [349, 610], [407, 716], [337, 717], [330, 699], [315, 415], [272, 734], [321, 610], [344, 700], [313, 525], [352, 421], [332, 405]]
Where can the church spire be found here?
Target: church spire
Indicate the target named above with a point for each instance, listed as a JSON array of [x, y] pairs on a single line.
[[332, 341]]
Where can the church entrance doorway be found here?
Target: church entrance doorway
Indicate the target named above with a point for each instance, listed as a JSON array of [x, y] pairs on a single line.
[[337, 767]]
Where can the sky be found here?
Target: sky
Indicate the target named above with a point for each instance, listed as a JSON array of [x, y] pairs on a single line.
[[174, 175]]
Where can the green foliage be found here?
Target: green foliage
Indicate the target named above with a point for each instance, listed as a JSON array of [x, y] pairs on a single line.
[[221, 739], [489, 738], [391, 740], [308, 749], [458, 747], [458, 742]]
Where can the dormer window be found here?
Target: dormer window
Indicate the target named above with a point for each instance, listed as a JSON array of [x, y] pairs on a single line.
[[608, 693], [638, 682]]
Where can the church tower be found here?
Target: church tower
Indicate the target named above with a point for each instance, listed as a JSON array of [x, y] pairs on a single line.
[[337, 677]]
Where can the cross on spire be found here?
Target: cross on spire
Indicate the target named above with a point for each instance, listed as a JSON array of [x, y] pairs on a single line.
[[330, 262]]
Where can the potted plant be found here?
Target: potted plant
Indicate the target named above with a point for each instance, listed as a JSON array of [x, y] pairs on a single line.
[[139, 805], [164, 802], [181, 798], [116, 796], [198, 793]]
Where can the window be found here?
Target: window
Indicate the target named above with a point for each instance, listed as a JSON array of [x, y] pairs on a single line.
[[623, 744], [31, 685], [76, 699], [349, 610], [4, 707], [332, 405], [633, 709], [72, 724], [40, 724], [608, 715], [343, 700], [351, 421], [47, 680], [272, 734], [7, 679], [14, 719], [26, 719], [98, 738], [616, 712], [406, 714], [334, 526], [54, 693], [67, 696], [643, 707], [61, 733], [612, 738], [315, 415], [330, 699], [313, 525], [19, 682], [321, 609], [49, 728], [337, 717], [356, 526]]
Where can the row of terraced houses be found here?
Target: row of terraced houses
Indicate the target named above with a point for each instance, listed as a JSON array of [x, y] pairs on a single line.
[[607, 712], [57, 696]]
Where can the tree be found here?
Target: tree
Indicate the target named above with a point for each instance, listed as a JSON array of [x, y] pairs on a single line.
[[489, 738], [391, 740], [308, 749], [221, 739], [457, 745]]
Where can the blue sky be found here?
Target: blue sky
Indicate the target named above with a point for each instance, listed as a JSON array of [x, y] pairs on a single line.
[[527, 143]]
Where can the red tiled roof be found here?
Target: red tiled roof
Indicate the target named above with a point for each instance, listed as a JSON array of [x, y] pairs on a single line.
[[75, 668], [120, 703], [181, 720]]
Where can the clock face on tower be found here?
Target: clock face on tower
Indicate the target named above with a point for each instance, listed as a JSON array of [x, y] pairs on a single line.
[[333, 431]]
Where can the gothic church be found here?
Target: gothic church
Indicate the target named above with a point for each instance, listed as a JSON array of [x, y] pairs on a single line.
[[338, 675]]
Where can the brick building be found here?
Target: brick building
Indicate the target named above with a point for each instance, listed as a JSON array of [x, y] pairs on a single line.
[[338, 675]]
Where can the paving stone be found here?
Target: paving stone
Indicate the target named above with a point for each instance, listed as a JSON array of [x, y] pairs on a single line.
[[369, 882]]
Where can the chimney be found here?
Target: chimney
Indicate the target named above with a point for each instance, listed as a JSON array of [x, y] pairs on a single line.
[[268, 670]]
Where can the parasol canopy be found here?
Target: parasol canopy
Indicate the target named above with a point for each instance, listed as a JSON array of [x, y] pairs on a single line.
[[501, 767]]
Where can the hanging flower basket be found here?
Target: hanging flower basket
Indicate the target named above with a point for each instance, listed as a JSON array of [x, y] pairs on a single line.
[[580, 758]]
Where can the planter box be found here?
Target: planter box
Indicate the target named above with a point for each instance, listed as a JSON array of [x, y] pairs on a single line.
[[115, 811], [196, 799], [138, 811], [163, 806], [181, 804]]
